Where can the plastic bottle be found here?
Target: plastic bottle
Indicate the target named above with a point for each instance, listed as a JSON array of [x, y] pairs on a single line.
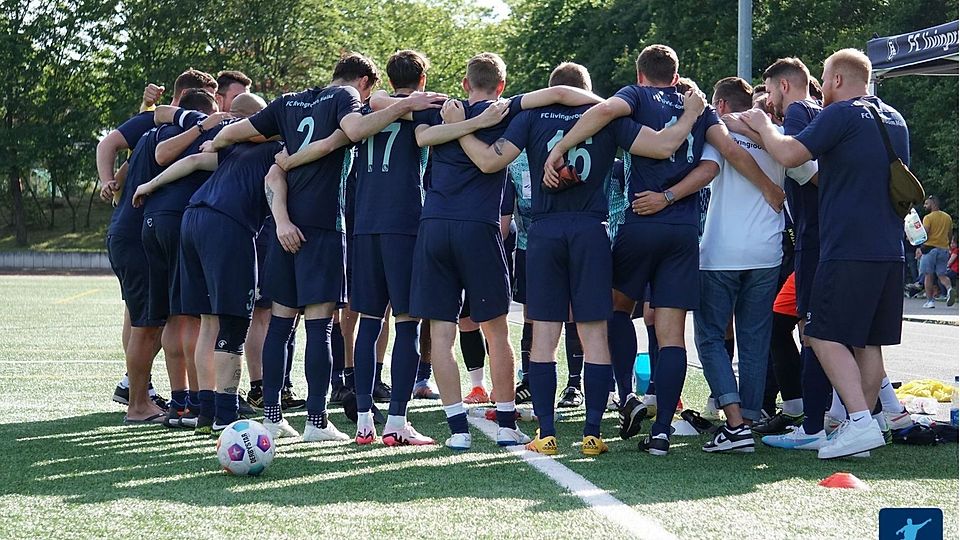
[[955, 402], [913, 227]]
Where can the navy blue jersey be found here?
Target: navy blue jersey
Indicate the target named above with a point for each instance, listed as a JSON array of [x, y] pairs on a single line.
[[802, 200], [173, 198], [126, 220], [538, 130], [390, 167], [458, 189], [350, 198], [135, 127], [857, 221], [657, 108], [315, 190], [236, 187]]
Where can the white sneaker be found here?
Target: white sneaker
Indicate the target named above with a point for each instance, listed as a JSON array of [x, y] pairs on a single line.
[[830, 424], [459, 441], [898, 421], [850, 439], [312, 433], [710, 410], [366, 430], [796, 439], [929, 305], [649, 402], [281, 429], [612, 402], [511, 437]]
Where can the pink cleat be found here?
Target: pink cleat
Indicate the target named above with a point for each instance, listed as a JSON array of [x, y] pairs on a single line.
[[406, 436]]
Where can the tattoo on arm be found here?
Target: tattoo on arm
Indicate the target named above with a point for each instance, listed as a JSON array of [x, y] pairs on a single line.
[[498, 146], [269, 193]]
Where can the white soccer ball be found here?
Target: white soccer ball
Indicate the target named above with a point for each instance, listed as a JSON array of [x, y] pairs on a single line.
[[245, 448]]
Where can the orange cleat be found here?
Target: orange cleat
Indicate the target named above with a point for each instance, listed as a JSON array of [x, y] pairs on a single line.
[[477, 395]]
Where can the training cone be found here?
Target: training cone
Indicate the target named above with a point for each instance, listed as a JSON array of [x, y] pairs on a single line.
[[843, 480], [684, 429]]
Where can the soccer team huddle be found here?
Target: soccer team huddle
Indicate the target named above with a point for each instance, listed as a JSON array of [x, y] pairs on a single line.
[[236, 219]]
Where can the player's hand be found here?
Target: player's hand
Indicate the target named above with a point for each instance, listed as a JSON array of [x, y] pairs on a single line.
[[207, 146], [695, 101], [215, 119], [452, 111], [551, 176], [283, 159], [775, 196], [755, 118], [108, 190], [151, 94], [143, 191], [735, 123], [648, 203], [289, 236], [494, 114], [419, 101]]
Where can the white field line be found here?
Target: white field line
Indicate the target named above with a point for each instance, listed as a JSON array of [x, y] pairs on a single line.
[[598, 500]]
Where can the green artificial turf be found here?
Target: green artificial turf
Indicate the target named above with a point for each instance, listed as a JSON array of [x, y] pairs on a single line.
[[73, 471]]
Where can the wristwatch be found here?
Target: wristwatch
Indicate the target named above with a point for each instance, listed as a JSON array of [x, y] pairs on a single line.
[[669, 196], [200, 127]]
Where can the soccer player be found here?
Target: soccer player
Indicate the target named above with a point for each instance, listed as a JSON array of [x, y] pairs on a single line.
[[568, 258], [659, 248], [306, 272], [231, 84], [861, 252]]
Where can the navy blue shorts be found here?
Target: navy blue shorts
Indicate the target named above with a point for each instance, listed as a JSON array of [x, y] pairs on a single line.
[[511, 252], [218, 265], [161, 243], [857, 303], [805, 268], [129, 263], [383, 265], [315, 275], [268, 231], [665, 256], [520, 276], [455, 256], [569, 267]]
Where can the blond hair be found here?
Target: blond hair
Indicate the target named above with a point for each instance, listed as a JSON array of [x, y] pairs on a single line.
[[486, 71], [851, 63]]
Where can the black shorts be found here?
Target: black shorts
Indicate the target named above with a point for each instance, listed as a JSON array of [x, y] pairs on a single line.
[[218, 265], [664, 256], [129, 263], [161, 243], [268, 231], [383, 265], [805, 264], [519, 276], [857, 303], [315, 275]]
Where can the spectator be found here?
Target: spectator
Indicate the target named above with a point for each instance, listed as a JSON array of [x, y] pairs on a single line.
[[935, 252], [952, 261]]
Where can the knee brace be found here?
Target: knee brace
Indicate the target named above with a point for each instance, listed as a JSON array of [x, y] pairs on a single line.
[[232, 334]]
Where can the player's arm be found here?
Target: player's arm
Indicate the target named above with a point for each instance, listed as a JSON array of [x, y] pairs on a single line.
[[169, 150], [558, 95], [275, 188], [312, 152], [380, 100], [651, 202], [360, 126], [662, 144], [592, 121], [119, 179], [452, 129], [151, 95], [231, 134], [107, 150], [181, 168], [735, 123], [743, 162], [489, 158], [788, 151]]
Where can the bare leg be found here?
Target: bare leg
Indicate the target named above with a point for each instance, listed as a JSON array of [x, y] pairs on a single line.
[[445, 370], [501, 358], [141, 350], [253, 347], [844, 373]]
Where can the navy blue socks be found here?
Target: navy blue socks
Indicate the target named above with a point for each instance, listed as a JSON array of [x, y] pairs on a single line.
[[816, 392], [526, 343], [275, 358], [542, 378], [403, 367], [365, 361], [596, 381], [574, 349], [622, 337], [339, 356], [207, 403], [671, 372], [317, 364], [226, 408], [654, 352]]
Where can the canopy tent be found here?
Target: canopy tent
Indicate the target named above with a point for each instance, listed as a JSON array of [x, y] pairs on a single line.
[[932, 51]]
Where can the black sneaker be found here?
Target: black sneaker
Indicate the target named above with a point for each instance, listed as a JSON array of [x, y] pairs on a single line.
[[658, 445], [289, 400], [523, 393], [158, 400], [216, 428], [570, 397], [204, 426], [244, 408], [338, 394], [173, 418], [381, 392], [731, 439], [632, 414], [121, 395], [778, 424], [255, 397], [189, 417], [699, 423]]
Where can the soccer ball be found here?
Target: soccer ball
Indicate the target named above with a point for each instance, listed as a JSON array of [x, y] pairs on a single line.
[[245, 448]]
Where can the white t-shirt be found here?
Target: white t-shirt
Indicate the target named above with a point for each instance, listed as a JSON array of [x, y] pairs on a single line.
[[742, 232]]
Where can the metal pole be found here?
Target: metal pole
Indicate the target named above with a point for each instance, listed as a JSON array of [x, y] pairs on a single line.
[[745, 40]]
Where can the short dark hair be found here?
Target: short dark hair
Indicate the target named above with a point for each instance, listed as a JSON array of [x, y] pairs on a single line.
[[571, 74], [193, 78], [791, 69], [935, 199], [658, 63], [486, 71], [735, 91], [198, 99], [685, 84], [404, 68], [353, 66], [759, 89], [816, 92], [227, 78]]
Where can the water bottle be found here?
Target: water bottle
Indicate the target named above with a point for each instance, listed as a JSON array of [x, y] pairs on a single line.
[[955, 401], [913, 227]]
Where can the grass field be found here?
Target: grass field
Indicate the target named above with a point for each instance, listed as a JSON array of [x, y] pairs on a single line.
[[75, 472], [60, 237]]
